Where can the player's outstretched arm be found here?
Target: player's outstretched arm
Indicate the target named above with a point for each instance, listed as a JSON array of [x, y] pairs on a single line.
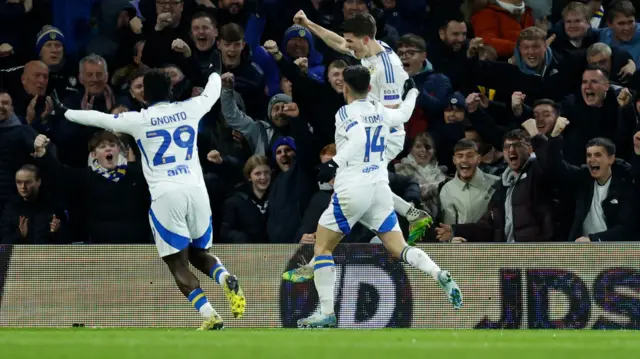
[[333, 40], [403, 113], [124, 122]]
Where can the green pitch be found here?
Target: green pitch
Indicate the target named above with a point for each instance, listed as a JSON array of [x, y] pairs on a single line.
[[311, 344]]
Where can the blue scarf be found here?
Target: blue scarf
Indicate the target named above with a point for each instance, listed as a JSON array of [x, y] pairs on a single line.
[[114, 175]]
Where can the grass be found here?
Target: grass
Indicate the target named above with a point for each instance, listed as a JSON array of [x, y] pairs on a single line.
[[312, 344]]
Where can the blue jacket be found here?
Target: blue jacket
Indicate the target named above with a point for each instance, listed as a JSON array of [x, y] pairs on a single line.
[[268, 64], [632, 47]]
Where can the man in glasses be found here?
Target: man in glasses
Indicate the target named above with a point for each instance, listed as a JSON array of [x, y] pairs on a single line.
[[520, 209]]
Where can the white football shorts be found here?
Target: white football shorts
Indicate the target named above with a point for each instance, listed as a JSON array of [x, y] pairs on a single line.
[[370, 205], [181, 219]]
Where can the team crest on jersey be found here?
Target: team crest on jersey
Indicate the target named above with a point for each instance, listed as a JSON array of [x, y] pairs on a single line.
[[73, 81], [372, 69]]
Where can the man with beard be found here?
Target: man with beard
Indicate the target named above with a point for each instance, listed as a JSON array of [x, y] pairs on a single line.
[[466, 197], [519, 210], [448, 53], [602, 189]]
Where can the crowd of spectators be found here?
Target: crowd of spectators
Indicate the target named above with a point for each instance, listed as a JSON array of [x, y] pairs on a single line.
[[524, 130]]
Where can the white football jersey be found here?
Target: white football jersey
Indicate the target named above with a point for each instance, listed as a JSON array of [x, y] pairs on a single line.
[[361, 129], [167, 135], [387, 76]]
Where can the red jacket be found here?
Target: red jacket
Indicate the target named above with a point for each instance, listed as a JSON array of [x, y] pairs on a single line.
[[499, 28]]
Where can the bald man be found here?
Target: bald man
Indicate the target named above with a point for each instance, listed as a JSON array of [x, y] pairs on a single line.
[[35, 78]]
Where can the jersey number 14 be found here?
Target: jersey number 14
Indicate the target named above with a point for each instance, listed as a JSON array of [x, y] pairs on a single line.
[[167, 139], [374, 144]]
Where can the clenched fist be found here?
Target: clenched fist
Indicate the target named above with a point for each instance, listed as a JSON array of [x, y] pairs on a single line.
[[473, 102], [178, 45], [164, 20], [300, 18], [214, 157], [624, 97], [475, 45], [517, 102], [303, 64], [561, 124], [530, 126], [227, 80]]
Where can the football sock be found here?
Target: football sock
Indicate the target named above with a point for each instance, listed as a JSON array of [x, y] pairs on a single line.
[[325, 279], [400, 205], [218, 272], [200, 302], [417, 258]]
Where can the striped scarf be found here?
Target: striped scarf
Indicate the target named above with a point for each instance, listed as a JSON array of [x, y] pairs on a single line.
[[114, 175]]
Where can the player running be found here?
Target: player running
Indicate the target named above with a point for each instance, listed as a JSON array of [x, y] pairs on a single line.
[[180, 214], [388, 79], [362, 192]]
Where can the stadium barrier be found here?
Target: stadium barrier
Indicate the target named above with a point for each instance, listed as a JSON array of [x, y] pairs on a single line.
[[505, 286]]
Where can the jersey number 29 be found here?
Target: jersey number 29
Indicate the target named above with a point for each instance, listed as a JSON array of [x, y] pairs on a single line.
[[375, 144], [167, 139]]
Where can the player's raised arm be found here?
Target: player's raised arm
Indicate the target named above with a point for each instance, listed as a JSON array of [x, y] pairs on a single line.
[[402, 114], [209, 96], [333, 40]]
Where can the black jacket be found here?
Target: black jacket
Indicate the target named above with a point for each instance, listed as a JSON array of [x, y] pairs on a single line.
[[608, 121], [618, 207], [39, 215], [100, 210], [291, 191], [16, 144], [243, 220], [452, 64], [306, 93]]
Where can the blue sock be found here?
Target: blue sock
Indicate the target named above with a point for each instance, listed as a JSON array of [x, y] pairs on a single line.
[[200, 302], [218, 273]]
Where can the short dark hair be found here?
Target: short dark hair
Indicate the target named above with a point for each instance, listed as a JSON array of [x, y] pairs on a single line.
[[157, 87], [412, 40], [549, 102], [103, 136], [518, 135], [232, 33], [358, 78], [454, 16], [605, 143], [597, 68], [622, 7], [465, 144], [204, 13], [139, 72], [31, 168], [360, 25]]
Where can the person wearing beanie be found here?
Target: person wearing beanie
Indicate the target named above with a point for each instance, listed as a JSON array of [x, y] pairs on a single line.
[[50, 48], [260, 134]]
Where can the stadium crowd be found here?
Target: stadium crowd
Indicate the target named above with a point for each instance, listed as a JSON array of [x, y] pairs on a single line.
[[524, 130]]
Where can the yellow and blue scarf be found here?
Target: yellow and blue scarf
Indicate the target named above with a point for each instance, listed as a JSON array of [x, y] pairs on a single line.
[[114, 175]]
